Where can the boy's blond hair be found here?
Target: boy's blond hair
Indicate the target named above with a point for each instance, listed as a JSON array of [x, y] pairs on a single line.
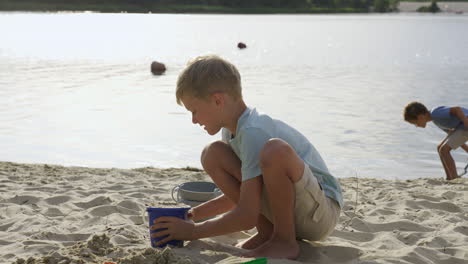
[[206, 75]]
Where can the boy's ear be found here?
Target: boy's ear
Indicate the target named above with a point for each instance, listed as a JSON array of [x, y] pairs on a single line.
[[218, 98]]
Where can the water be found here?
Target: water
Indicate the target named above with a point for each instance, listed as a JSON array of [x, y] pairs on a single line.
[[76, 88]]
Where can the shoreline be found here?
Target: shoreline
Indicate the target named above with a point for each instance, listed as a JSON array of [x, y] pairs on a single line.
[[403, 6], [170, 9], [458, 8], [58, 213]]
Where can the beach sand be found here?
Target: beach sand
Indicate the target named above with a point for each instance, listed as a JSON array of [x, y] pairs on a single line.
[[55, 214]]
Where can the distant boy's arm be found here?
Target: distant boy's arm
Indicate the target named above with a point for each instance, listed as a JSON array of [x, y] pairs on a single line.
[[465, 147], [243, 217], [458, 112]]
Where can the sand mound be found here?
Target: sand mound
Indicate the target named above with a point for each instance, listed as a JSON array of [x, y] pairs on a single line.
[[99, 249]]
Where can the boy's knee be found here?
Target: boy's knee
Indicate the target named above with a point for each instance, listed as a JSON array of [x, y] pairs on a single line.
[[444, 148], [211, 151], [274, 151], [439, 147]]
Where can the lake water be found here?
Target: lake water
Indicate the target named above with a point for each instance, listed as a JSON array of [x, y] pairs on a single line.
[[76, 88]]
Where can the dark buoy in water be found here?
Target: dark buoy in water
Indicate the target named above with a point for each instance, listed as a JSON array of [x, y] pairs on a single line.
[[241, 45], [157, 68]]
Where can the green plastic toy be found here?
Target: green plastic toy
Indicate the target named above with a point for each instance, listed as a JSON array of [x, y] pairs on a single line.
[[257, 261]]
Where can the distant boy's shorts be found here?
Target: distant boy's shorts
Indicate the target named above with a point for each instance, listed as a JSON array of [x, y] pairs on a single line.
[[316, 215], [457, 138]]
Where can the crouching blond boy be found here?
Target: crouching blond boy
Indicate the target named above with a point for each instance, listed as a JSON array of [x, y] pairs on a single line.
[[272, 177]]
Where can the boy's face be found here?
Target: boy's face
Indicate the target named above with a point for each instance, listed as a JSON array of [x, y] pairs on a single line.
[[419, 122], [205, 112]]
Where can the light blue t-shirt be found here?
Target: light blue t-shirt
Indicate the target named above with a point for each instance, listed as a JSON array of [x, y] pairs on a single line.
[[254, 130], [444, 120]]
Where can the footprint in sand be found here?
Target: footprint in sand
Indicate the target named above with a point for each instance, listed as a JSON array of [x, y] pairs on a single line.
[[100, 200], [365, 226], [353, 236], [55, 200], [105, 210], [23, 199], [424, 204]]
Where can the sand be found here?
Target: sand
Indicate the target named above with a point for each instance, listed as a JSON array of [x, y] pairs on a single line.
[[55, 214]]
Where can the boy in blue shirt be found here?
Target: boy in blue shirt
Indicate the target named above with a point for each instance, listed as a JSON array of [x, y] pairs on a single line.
[[452, 120], [271, 176]]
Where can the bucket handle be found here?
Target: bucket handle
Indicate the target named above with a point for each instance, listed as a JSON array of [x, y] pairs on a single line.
[[217, 192], [177, 187]]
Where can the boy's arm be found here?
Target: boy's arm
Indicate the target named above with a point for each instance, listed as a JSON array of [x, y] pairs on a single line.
[[211, 208], [458, 112], [242, 217], [465, 147]]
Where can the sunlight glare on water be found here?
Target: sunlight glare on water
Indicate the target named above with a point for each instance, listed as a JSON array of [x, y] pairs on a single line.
[[76, 89]]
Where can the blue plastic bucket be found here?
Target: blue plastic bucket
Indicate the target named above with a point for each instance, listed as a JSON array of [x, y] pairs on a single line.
[[154, 213]]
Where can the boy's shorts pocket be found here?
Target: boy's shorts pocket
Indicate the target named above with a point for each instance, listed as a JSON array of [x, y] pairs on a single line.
[[313, 189], [312, 210]]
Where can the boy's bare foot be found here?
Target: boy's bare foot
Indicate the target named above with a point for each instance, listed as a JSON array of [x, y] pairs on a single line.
[[253, 241], [275, 248]]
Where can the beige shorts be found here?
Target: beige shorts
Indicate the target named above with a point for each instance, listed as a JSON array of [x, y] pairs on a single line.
[[316, 215], [457, 138]]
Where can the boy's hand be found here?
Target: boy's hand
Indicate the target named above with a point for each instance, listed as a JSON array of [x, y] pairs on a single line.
[[176, 228], [191, 214]]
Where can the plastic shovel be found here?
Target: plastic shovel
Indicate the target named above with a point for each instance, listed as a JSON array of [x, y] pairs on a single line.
[[466, 170], [257, 261]]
